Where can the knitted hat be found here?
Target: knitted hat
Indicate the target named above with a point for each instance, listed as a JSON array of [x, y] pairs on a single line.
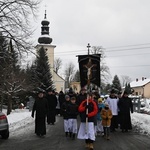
[[100, 100], [67, 96]]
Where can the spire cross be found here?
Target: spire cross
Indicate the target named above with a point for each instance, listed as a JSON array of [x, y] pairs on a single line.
[[88, 48], [45, 12]]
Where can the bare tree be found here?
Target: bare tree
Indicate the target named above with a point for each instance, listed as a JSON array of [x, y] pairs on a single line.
[[76, 76], [15, 16], [125, 80], [104, 69], [57, 65], [69, 72]]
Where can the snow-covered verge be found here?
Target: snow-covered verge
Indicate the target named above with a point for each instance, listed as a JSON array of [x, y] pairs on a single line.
[[141, 123], [18, 119]]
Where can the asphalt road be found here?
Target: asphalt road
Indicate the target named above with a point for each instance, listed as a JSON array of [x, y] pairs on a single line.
[[25, 139]]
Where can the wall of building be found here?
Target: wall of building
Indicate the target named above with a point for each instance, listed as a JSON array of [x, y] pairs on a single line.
[[59, 83], [147, 90], [142, 91]]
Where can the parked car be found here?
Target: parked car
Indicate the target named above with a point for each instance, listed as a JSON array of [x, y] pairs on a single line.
[[4, 126]]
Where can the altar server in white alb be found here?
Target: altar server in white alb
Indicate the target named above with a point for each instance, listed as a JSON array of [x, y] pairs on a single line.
[[112, 101], [88, 110]]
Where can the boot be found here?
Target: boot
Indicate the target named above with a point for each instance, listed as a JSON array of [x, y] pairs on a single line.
[[108, 137], [73, 136], [70, 134], [66, 134], [91, 146], [87, 145]]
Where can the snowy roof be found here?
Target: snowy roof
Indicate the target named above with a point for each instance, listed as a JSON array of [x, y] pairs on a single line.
[[138, 83]]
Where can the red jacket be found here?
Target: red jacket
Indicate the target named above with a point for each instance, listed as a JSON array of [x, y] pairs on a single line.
[[92, 110]]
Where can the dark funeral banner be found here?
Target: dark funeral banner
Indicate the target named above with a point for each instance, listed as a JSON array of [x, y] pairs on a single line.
[[89, 66]]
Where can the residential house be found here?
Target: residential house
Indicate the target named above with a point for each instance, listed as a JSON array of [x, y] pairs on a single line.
[[141, 87]]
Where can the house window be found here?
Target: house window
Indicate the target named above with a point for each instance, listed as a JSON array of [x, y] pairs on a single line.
[[136, 93]]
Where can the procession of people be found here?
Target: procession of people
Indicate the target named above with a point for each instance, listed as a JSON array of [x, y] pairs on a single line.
[[86, 116]]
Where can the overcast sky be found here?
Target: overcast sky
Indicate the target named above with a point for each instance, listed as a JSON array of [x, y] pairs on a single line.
[[121, 27]]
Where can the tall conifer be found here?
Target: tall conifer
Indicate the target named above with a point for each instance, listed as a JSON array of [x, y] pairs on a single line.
[[42, 75], [116, 83]]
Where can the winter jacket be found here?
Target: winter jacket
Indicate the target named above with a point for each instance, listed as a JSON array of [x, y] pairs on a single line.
[[100, 107], [64, 109], [92, 110], [72, 111], [106, 115]]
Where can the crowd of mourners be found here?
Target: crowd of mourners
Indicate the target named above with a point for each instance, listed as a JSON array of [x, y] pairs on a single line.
[[98, 116]]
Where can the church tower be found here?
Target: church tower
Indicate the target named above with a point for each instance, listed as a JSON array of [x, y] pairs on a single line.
[[45, 40]]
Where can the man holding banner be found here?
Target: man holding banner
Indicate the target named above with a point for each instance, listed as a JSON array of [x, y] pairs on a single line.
[[86, 130], [89, 66]]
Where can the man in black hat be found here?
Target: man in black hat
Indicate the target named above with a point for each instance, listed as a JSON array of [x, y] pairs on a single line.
[[125, 106], [41, 108], [52, 103]]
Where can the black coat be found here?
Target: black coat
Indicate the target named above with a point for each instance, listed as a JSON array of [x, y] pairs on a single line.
[[64, 109], [125, 107], [81, 97], [61, 98], [52, 103], [41, 108], [72, 111]]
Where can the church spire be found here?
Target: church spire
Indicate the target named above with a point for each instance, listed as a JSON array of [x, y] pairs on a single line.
[[45, 38]]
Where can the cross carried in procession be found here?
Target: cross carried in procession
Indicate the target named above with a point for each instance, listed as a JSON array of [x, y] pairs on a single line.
[[89, 66]]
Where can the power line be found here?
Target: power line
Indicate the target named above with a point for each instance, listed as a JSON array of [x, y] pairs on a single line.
[[124, 55], [128, 46], [128, 55], [127, 49], [131, 66]]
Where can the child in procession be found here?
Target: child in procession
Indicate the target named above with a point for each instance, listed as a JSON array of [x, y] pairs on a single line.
[[65, 114], [88, 110], [101, 105], [106, 115], [72, 111]]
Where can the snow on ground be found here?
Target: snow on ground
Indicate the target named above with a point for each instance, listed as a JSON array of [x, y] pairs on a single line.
[[21, 117], [18, 119]]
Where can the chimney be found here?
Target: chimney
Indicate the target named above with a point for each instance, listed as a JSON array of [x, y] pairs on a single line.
[[136, 79]]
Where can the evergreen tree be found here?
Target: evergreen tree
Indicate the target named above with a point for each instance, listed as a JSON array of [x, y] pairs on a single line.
[[42, 76], [128, 89], [105, 89], [116, 85]]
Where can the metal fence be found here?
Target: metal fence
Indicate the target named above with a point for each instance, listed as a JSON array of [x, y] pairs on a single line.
[[136, 104]]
